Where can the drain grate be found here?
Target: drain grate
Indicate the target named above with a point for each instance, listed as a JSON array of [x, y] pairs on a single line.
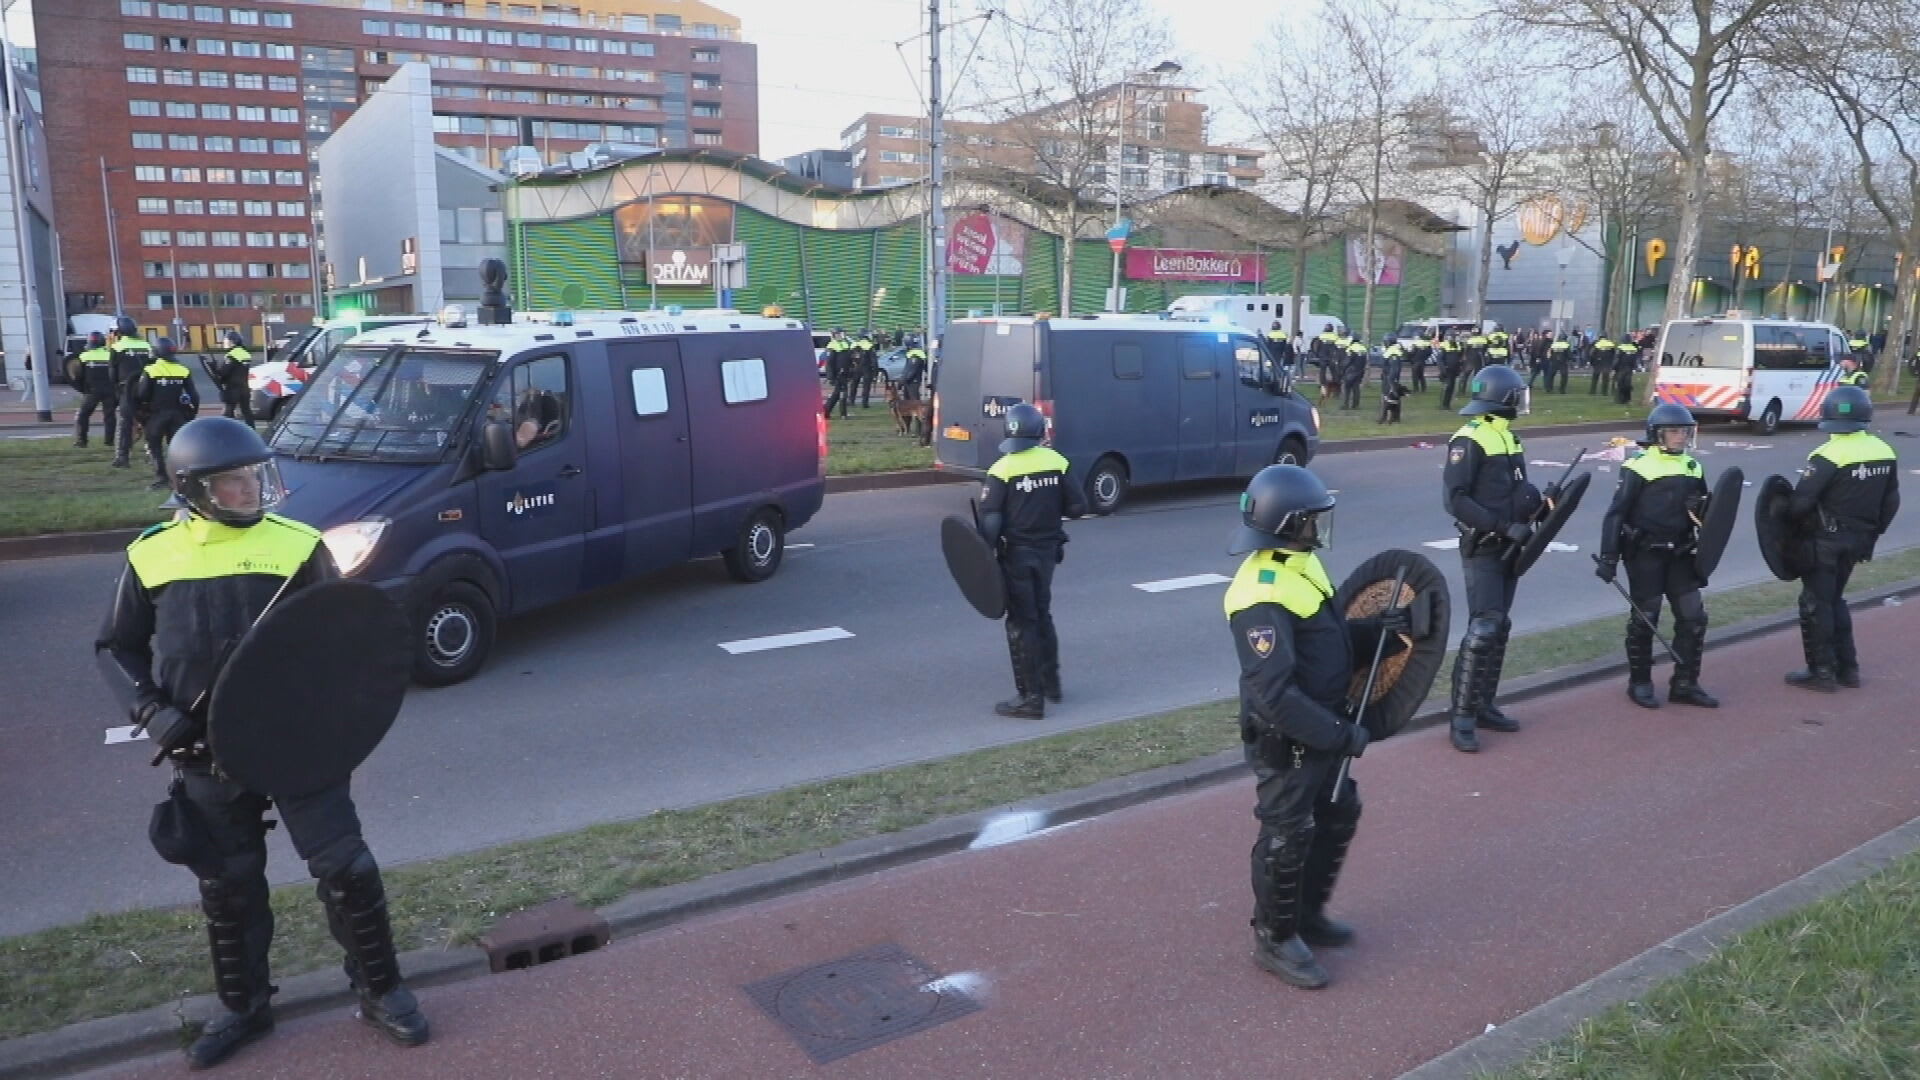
[[859, 1001]]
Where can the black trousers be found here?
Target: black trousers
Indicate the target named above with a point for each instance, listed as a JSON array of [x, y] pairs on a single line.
[[1305, 829], [842, 393], [1447, 381], [160, 429], [1490, 583], [1559, 369], [1602, 376], [244, 409], [1350, 393], [123, 440], [1028, 571], [866, 388], [1622, 387], [1826, 626], [325, 830], [1654, 577], [1420, 377], [83, 420]]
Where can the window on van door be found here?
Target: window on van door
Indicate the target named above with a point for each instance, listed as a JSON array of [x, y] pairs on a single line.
[[1196, 361], [649, 391], [1784, 348], [1682, 346], [743, 381], [533, 399], [1723, 345], [1250, 364], [1128, 361]]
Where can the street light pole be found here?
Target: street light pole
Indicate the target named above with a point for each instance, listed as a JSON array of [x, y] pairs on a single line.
[[1119, 174], [113, 240]]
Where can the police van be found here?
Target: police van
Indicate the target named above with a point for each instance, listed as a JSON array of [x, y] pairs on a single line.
[[482, 471], [1255, 314], [1732, 367], [1129, 399]]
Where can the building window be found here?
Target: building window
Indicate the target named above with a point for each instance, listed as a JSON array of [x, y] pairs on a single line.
[[499, 37], [280, 20], [228, 270], [293, 209], [209, 14], [558, 43], [285, 116], [706, 56], [176, 77], [287, 84], [376, 27], [191, 239], [295, 270], [136, 7], [174, 44], [259, 239], [215, 80], [439, 33], [177, 110], [155, 237], [226, 238], [259, 270], [142, 75], [139, 107], [634, 24], [223, 207], [247, 50], [147, 140], [706, 138], [617, 48], [193, 269], [189, 206], [152, 206], [586, 44], [173, 11], [253, 146], [252, 113], [159, 301], [666, 24], [279, 52], [220, 144], [242, 17], [210, 47], [258, 208], [185, 174], [246, 81], [216, 112], [183, 142], [299, 240], [286, 146], [706, 110], [254, 176], [150, 173], [220, 176], [290, 177], [706, 82]]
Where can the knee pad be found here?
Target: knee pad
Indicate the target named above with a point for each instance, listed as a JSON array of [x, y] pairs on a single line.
[[1483, 631], [342, 862]]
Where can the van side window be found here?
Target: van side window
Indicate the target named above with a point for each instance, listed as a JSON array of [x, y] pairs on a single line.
[[1128, 361], [649, 391], [1249, 364], [1836, 347], [533, 398], [742, 381], [1196, 360], [1682, 346]]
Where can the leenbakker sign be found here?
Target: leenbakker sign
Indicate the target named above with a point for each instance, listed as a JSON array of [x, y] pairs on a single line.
[[1174, 264]]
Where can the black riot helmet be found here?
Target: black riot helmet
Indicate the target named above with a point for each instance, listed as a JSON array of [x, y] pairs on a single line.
[[163, 348], [1282, 508], [1669, 415], [222, 471], [1846, 409], [233, 338], [1026, 426], [125, 327], [1496, 389], [96, 339]]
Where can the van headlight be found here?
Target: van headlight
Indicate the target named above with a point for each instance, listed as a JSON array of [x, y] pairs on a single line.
[[352, 544]]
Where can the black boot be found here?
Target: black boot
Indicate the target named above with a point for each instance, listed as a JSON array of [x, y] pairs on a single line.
[[1819, 675], [1026, 703], [1640, 665], [1279, 871], [1489, 715], [1689, 643], [1846, 662], [356, 903], [1464, 713], [1847, 677], [1332, 836], [239, 929], [1819, 679], [1289, 958], [1050, 670]]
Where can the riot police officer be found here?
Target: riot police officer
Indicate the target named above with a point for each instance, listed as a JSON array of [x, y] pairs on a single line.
[[96, 375], [190, 587], [1653, 521], [1846, 497], [1485, 488], [1418, 357], [1353, 373], [1626, 358], [842, 363], [166, 401], [1559, 359], [869, 368], [1600, 359], [131, 355], [229, 373], [915, 371], [1850, 373], [1296, 651], [1025, 495], [1450, 363]]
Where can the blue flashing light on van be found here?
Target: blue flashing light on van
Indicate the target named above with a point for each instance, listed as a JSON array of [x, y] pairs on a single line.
[[482, 471]]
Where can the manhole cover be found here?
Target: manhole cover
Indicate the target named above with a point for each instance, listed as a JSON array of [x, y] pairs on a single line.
[[847, 1005]]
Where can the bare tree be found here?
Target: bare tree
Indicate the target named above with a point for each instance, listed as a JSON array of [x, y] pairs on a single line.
[[1686, 61], [1372, 41], [1300, 108], [1617, 164], [1502, 109], [1058, 77]]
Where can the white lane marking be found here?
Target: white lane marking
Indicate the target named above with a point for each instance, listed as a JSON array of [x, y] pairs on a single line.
[[798, 547], [1550, 464], [1449, 544], [1193, 581], [117, 735], [785, 641], [1555, 545]]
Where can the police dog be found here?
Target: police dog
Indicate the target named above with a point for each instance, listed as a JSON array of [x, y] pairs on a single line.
[[908, 411]]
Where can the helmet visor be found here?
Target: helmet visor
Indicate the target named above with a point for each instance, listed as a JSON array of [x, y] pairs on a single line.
[[242, 492], [1309, 529], [1676, 438]]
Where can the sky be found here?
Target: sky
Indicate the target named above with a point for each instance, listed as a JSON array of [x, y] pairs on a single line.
[[825, 62]]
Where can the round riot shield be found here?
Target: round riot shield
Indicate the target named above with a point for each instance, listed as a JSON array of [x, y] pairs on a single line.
[[974, 568], [1782, 543], [1563, 507], [1716, 525], [1405, 678]]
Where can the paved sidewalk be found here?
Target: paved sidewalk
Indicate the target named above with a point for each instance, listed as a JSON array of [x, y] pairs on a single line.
[[1481, 886]]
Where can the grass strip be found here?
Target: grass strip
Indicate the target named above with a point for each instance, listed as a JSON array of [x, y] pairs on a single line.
[[110, 964], [1830, 990]]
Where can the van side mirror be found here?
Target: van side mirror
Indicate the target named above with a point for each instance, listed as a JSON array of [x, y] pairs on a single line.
[[497, 451]]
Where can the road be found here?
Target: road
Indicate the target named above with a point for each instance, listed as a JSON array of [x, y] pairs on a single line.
[[621, 703]]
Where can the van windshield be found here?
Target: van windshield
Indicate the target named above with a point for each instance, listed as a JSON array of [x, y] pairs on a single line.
[[384, 403]]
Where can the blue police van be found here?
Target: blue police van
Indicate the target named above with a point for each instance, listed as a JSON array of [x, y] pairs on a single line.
[[483, 471], [1129, 399]]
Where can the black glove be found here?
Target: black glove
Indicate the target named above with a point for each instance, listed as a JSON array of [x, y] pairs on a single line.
[[1519, 532], [1606, 566], [1395, 621], [168, 727], [1357, 739]]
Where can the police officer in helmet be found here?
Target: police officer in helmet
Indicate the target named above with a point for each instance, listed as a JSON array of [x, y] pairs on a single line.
[[131, 355], [166, 400], [1025, 495], [1653, 521], [1494, 507], [230, 375], [1846, 497], [189, 587], [96, 374], [1296, 651]]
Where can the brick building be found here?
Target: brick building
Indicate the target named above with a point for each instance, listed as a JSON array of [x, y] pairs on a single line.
[[1163, 146], [209, 116]]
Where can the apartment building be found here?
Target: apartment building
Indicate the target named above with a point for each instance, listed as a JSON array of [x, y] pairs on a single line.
[[196, 125]]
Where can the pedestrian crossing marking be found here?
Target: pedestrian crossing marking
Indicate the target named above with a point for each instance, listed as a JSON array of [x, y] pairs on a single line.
[[1192, 581], [117, 735], [785, 641]]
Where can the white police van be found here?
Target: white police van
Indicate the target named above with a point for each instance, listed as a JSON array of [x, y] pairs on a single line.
[[1734, 367]]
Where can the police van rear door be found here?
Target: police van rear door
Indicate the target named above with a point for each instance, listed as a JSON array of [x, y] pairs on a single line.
[[986, 367]]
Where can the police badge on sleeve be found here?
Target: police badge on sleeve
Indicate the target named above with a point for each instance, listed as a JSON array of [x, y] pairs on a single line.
[[1261, 639]]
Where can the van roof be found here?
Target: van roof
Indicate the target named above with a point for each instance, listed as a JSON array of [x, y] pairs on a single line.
[[531, 330], [1110, 321], [1702, 320]]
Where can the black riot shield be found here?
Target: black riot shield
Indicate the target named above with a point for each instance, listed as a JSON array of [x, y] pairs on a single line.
[[1716, 527], [1782, 542], [310, 691], [1406, 677], [1524, 556], [973, 566]]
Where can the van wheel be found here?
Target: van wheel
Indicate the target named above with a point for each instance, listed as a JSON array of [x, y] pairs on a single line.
[[1769, 421], [756, 555], [1107, 486], [453, 633], [1292, 452]]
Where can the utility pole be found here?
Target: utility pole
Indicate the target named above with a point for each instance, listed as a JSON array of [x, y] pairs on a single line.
[[936, 190], [113, 242]]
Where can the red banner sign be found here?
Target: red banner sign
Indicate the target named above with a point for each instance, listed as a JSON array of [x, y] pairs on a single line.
[[1171, 264]]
